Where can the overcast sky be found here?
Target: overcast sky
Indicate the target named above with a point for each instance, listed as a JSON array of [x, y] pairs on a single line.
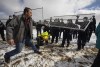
[[51, 7]]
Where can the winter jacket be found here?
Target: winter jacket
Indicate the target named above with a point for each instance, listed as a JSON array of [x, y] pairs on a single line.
[[8, 21], [16, 28], [38, 26], [2, 26]]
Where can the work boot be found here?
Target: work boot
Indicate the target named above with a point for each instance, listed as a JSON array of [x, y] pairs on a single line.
[[6, 59]]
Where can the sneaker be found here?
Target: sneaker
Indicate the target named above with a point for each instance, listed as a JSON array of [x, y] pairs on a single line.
[[7, 59]]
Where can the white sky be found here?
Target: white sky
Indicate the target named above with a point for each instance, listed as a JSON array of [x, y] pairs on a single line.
[[50, 7]]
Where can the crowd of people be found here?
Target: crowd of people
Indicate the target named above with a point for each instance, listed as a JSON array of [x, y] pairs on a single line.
[[19, 33], [68, 33]]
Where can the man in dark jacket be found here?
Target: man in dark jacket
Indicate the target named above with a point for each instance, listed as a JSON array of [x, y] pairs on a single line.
[[19, 32], [82, 35], [10, 18], [61, 29], [67, 33], [46, 26], [2, 28], [54, 33], [90, 30], [94, 23]]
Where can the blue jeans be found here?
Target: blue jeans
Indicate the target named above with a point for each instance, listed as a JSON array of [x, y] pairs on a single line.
[[19, 46]]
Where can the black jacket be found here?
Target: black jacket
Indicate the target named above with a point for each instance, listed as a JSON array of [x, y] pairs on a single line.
[[2, 26]]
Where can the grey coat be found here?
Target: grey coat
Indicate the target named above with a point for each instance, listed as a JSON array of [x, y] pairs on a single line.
[[15, 29]]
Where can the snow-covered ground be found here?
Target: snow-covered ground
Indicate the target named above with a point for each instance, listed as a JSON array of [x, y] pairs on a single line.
[[52, 55]]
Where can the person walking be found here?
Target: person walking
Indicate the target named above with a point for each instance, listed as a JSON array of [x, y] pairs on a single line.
[[19, 33]]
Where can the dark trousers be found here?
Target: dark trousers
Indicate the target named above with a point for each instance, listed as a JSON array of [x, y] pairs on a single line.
[[40, 42], [66, 36], [38, 32], [96, 62], [89, 35], [2, 35], [53, 37], [63, 41], [81, 41], [94, 27]]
